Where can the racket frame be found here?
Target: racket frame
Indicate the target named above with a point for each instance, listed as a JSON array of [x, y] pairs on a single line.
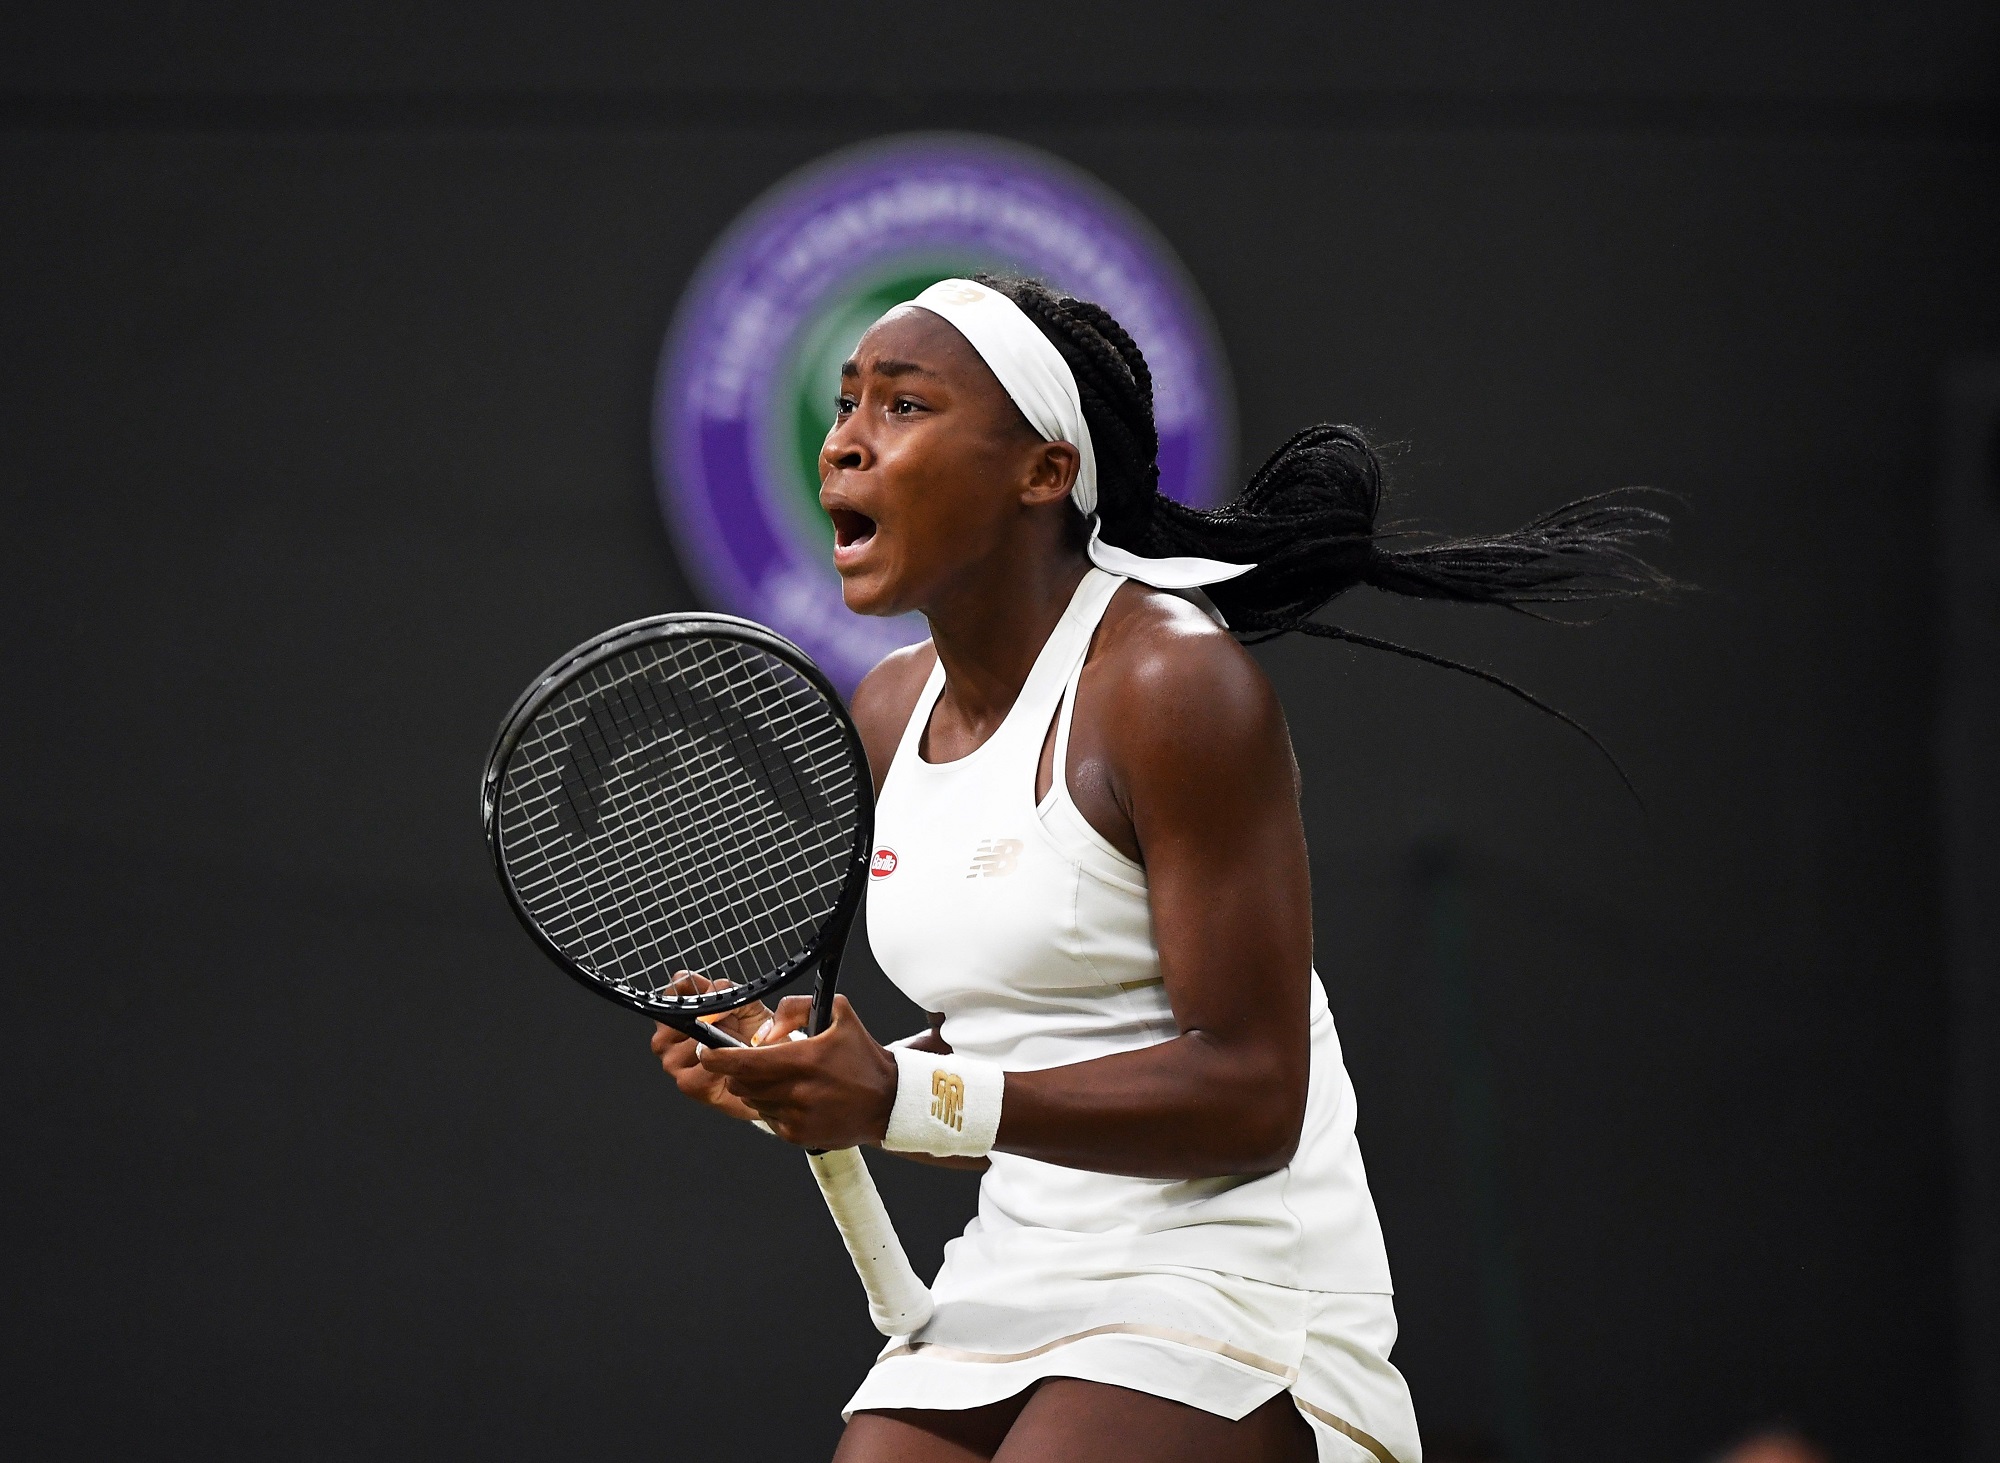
[[899, 1302], [824, 952]]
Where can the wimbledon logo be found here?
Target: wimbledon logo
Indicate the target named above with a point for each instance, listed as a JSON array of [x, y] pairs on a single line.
[[752, 364]]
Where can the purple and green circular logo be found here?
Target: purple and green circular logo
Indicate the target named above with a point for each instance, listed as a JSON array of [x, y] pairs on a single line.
[[752, 364]]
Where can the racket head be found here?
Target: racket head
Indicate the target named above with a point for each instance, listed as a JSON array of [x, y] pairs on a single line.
[[684, 792]]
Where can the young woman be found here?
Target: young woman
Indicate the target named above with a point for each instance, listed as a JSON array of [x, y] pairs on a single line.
[[1091, 870]]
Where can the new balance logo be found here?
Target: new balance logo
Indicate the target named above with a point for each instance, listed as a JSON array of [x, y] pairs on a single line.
[[948, 1098], [995, 858]]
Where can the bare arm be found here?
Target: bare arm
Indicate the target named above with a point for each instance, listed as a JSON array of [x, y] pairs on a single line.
[[1185, 761], [1200, 762]]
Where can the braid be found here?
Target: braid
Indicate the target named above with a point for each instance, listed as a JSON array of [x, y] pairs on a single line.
[[1116, 386], [1307, 518], [1129, 354]]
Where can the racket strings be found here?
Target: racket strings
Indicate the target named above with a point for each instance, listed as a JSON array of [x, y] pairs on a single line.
[[759, 837], [754, 838], [687, 805], [629, 938]]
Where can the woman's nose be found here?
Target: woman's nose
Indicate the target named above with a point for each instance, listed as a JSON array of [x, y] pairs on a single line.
[[844, 447]]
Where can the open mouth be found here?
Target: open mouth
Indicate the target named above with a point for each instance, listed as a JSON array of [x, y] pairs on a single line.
[[851, 529]]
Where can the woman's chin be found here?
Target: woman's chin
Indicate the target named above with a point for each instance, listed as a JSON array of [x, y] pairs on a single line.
[[868, 592]]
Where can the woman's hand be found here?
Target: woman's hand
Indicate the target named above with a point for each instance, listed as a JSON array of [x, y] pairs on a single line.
[[677, 1051], [833, 1090]]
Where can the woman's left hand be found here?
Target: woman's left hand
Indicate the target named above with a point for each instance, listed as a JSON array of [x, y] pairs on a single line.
[[833, 1090]]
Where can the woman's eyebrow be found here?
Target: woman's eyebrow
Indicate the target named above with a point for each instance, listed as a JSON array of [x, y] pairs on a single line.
[[889, 368]]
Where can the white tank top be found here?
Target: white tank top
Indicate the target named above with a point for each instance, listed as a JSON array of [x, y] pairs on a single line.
[[1033, 937]]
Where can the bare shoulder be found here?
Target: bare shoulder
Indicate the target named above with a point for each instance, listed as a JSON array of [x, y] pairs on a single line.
[[882, 703], [1168, 674], [896, 681]]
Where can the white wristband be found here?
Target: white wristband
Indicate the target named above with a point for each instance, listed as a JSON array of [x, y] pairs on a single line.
[[948, 1107]]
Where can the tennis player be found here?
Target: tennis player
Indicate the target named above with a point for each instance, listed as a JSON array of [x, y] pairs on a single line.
[[1091, 869]]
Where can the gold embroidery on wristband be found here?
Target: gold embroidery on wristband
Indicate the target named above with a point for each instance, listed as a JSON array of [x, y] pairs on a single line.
[[948, 1098]]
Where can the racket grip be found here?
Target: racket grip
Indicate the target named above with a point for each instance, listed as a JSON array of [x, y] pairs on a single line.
[[704, 1032], [898, 1302]]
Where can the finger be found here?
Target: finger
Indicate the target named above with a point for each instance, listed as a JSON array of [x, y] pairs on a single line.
[[753, 1066], [847, 1024], [692, 1081], [764, 1075], [745, 1021], [667, 1037], [688, 983], [731, 1061], [785, 1120], [782, 1128], [767, 1084], [794, 1014], [671, 1047], [709, 988]]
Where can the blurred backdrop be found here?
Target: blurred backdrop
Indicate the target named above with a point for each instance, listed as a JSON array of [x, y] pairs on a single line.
[[325, 422]]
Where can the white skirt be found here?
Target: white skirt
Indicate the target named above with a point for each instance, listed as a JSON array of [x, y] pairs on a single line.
[[1219, 1342]]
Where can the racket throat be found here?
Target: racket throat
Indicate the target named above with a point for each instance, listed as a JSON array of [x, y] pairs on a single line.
[[824, 984]]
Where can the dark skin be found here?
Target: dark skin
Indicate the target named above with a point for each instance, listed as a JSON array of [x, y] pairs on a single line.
[[945, 501]]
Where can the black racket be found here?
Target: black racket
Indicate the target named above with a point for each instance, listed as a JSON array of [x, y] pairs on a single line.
[[688, 793]]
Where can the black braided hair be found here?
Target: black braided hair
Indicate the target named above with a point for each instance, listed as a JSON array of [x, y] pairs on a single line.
[[1307, 518]]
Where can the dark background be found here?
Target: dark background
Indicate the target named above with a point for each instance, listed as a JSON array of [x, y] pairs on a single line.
[[329, 341]]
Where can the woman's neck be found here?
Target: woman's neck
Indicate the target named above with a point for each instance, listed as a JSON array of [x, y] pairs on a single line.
[[988, 632]]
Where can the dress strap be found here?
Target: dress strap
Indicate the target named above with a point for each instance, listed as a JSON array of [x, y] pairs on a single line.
[[1056, 667], [1072, 673], [1027, 721], [1082, 843], [920, 717], [1059, 769]]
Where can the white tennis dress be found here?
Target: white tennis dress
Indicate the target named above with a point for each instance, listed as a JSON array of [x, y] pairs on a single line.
[[1033, 936]]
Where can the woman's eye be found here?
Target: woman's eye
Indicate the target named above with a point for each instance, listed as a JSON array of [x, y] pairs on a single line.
[[843, 406], [904, 406]]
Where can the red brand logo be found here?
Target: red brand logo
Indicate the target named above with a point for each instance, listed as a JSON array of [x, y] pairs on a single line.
[[883, 864]]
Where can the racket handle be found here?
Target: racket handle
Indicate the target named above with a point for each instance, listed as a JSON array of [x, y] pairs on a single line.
[[898, 1302], [704, 1032]]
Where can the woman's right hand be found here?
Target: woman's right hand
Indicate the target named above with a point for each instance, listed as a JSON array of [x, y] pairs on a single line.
[[676, 1050]]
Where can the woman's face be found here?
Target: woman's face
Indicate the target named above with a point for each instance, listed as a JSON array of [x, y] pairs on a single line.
[[929, 467]]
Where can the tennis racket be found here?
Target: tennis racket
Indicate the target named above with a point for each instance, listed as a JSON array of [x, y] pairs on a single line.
[[688, 793]]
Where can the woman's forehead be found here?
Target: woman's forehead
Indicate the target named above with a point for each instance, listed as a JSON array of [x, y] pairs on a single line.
[[912, 336]]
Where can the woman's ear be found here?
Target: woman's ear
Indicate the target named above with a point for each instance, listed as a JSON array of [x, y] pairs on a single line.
[[1051, 474]]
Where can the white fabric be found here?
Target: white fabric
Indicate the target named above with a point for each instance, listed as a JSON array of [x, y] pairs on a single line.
[[1329, 1350], [1182, 572], [1029, 368], [946, 1106], [1033, 936], [1033, 372]]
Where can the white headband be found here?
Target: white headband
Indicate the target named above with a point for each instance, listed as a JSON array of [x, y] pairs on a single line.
[[1032, 371]]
